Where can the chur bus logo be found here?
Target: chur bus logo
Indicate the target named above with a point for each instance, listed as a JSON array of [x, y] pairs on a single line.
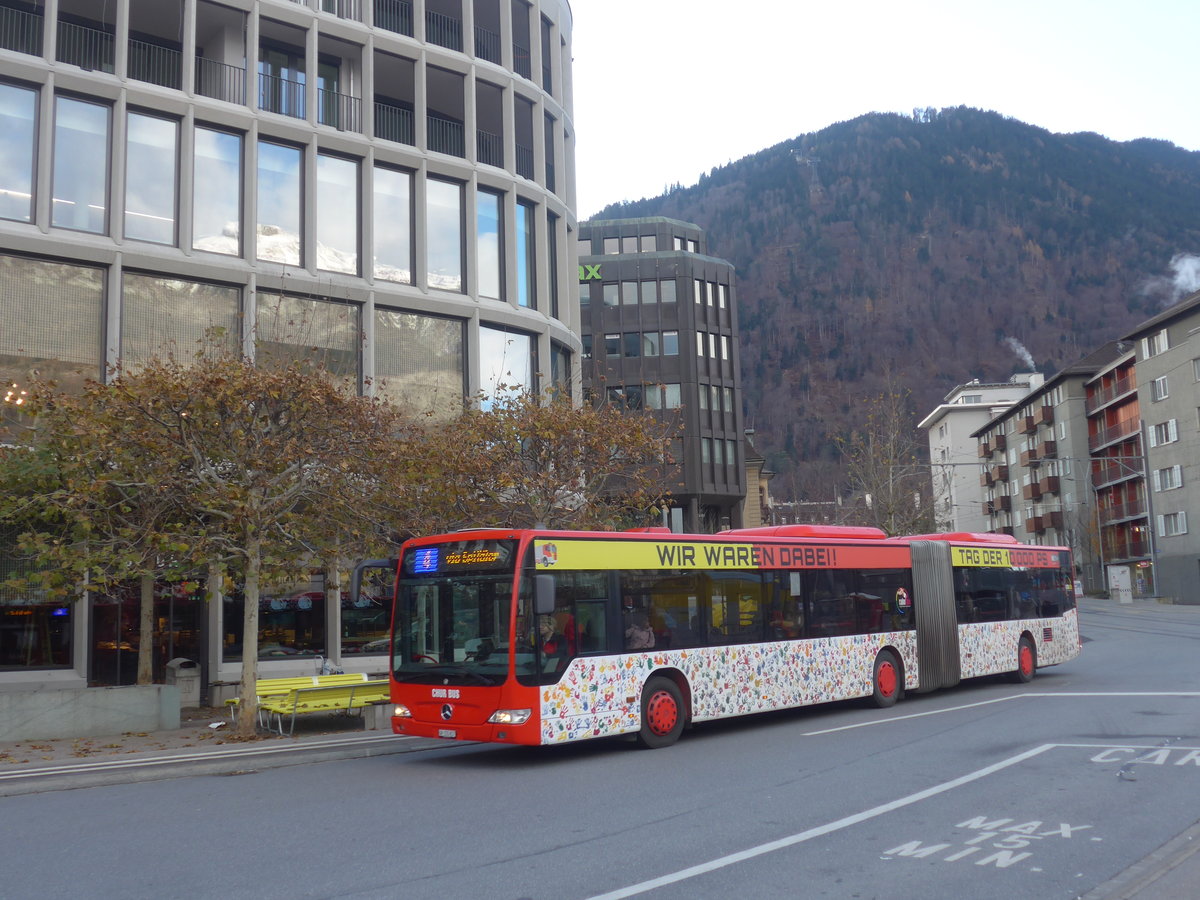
[[447, 711]]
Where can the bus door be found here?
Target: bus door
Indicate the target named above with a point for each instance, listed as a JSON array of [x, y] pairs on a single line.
[[937, 624]]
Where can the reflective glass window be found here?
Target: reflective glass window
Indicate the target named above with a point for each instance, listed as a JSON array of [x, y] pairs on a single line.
[[217, 192], [420, 363], [393, 217], [629, 293], [506, 362], [18, 130], [161, 316], [327, 332], [80, 165], [667, 291], [279, 208], [670, 344], [611, 294], [649, 291], [526, 257], [647, 243], [444, 234], [337, 214], [151, 164], [650, 343], [488, 244]]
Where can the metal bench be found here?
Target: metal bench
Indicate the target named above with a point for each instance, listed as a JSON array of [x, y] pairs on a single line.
[[274, 687], [328, 698]]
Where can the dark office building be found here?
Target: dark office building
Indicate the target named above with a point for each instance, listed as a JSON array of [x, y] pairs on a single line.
[[659, 328]]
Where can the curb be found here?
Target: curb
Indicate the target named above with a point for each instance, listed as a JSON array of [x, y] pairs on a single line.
[[222, 761]]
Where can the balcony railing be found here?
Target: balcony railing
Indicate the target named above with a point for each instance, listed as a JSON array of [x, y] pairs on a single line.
[[1104, 396], [281, 95], [1111, 473], [1116, 548], [1130, 509], [1048, 450], [985, 449], [521, 63], [220, 81], [20, 31], [155, 65], [85, 47], [1049, 485], [445, 135], [1035, 524], [394, 123], [341, 111], [1032, 491], [487, 45], [489, 148], [1114, 433], [1026, 424], [1044, 415], [395, 16], [1004, 502], [525, 162], [344, 9], [443, 31]]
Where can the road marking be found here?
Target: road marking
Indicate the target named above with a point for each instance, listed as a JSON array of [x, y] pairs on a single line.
[[1027, 694], [820, 831]]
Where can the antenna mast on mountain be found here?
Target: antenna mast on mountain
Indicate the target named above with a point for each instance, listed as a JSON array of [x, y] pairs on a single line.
[[811, 162]]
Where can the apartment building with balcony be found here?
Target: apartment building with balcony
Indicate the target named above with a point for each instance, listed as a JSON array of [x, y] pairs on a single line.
[[958, 492], [1034, 467], [1166, 348], [1115, 442], [660, 336], [386, 183]]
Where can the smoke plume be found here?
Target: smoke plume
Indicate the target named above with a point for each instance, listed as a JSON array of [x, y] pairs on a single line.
[[1183, 280], [1022, 354]]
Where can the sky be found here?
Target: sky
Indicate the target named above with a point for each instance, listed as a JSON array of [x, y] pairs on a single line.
[[665, 90]]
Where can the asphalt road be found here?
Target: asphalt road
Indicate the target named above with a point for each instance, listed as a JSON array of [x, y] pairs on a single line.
[[990, 790]]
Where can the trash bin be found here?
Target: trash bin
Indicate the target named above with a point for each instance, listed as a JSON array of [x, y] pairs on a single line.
[[185, 673]]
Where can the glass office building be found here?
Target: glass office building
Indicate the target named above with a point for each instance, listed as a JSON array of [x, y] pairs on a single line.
[[390, 182]]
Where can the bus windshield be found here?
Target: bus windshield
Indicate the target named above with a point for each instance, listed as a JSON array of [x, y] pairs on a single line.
[[453, 608]]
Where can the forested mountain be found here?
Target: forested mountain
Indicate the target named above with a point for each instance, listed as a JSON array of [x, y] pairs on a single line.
[[914, 248]]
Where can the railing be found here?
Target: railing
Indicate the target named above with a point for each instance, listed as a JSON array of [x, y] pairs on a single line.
[[20, 31], [220, 81], [1104, 396], [85, 47], [394, 123], [489, 148], [341, 111], [445, 135], [281, 95], [1118, 549], [344, 9], [395, 16], [487, 45], [1130, 509], [443, 31], [1114, 433], [525, 162], [155, 65], [1110, 473], [521, 64]]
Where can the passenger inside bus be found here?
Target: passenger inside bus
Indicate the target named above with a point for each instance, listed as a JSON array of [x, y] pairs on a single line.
[[554, 644]]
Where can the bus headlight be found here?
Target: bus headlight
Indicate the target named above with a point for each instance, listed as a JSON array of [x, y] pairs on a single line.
[[401, 712], [510, 716]]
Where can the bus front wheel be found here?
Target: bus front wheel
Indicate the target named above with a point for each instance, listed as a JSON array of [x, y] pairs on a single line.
[[886, 680], [662, 713], [1026, 662]]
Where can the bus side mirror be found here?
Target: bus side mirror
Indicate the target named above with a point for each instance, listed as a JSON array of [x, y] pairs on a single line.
[[543, 595]]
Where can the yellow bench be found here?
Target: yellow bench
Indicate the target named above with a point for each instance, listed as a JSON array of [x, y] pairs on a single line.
[[328, 698], [274, 687]]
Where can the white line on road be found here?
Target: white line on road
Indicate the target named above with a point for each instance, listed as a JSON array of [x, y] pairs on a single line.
[[938, 712], [770, 847]]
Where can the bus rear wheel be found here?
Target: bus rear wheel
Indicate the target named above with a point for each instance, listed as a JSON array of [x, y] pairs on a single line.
[[886, 679], [1026, 662], [662, 713]]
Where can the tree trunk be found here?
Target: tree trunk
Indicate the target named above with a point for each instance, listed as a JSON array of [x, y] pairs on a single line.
[[145, 668], [248, 701], [333, 601]]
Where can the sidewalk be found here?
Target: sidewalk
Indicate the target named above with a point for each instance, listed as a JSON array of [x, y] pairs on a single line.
[[195, 748]]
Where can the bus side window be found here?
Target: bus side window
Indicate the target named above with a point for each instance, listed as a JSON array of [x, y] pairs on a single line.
[[591, 626]]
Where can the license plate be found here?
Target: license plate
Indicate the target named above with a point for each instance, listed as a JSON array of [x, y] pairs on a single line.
[[447, 732]]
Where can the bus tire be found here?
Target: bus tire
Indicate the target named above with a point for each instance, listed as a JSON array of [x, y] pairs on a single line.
[[662, 713], [1026, 662], [886, 680]]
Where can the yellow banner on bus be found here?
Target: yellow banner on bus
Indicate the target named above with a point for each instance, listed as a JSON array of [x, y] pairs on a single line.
[[619, 554], [1005, 557]]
